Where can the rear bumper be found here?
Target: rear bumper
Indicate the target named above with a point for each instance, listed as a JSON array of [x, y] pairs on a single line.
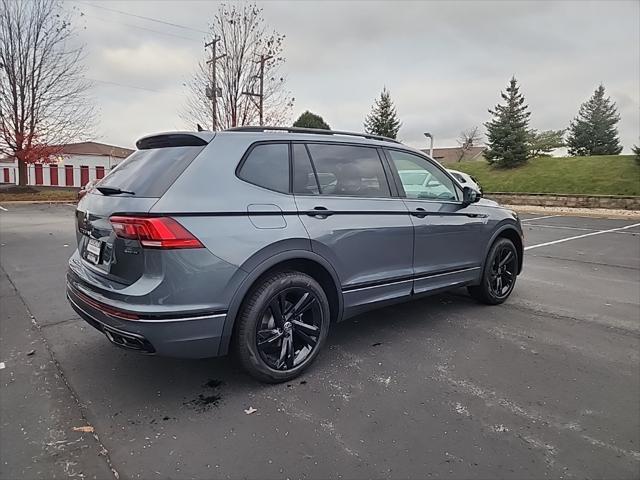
[[195, 336]]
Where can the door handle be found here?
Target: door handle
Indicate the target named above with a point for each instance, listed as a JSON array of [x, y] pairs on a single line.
[[320, 212], [419, 212]]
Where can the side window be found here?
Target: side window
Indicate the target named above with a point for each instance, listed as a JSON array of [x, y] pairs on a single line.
[[304, 179], [267, 166], [349, 170], [421, 179]]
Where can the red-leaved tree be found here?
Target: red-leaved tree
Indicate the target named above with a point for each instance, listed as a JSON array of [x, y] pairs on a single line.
[[43, 92]]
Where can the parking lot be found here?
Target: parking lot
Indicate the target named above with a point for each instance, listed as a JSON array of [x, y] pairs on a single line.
[[546, 385]]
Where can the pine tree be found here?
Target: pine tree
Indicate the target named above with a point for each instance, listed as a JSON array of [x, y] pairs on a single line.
[[593, 131], [507, 132], [383, 118], [541, 144], [311, 120]]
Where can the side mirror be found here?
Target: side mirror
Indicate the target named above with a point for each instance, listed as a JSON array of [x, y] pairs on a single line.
[[469, 196]]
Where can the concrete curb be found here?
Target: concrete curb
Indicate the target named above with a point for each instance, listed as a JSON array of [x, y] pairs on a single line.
[[618, 202], [577, 212]]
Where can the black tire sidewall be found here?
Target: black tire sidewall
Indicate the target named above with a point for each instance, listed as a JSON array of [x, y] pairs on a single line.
[[254, 305], [486, 290]]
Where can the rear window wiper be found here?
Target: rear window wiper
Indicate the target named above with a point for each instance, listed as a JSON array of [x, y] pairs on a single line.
[[113, 191]]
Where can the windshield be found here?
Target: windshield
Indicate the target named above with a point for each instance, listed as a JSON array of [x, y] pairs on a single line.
[[413, 178]]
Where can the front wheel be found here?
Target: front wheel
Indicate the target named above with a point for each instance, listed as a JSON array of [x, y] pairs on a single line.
[[282, 326], [499, 276]]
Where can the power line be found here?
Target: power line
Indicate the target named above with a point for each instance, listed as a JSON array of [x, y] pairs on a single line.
[[145, 18], [137, 27], [121, 85]]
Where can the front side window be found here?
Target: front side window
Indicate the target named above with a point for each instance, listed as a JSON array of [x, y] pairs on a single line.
[[347, 170], [421, 179], [267, 166]]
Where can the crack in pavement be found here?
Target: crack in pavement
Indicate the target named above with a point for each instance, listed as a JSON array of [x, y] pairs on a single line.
[[81, 409]]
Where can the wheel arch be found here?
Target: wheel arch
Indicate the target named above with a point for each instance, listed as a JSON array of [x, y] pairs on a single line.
[[510, 232], [300, 260]]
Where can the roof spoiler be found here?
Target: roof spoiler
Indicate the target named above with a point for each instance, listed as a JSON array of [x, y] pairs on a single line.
[[175, 139]]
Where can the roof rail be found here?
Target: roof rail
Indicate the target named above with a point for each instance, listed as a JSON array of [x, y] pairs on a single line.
[[311, 131]]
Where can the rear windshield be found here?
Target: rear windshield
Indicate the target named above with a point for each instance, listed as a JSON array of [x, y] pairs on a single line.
[[149, 173]]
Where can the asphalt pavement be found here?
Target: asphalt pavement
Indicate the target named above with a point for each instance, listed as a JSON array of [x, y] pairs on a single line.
[[546, 385]]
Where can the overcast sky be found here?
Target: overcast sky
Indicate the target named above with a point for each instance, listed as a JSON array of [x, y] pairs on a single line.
[[444, 62]]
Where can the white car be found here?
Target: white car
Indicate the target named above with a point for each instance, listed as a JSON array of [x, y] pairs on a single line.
[[465, 180], [422, 184]]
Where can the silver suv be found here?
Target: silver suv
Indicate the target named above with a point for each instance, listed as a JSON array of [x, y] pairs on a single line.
[[258, 239]]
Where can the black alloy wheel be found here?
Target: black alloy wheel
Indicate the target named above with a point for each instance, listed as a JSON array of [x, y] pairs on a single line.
[[502, 276], [282, 326], [499, 275], [289, 328]]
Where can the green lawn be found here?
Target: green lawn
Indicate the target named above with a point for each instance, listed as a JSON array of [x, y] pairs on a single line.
[[602, 175]]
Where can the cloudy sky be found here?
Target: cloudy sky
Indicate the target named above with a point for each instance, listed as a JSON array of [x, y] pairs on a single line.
[[444, 62]]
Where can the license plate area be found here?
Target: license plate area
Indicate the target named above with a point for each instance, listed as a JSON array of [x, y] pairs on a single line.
[[93, 251]]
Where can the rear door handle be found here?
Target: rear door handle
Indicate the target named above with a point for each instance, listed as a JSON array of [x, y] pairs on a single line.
[[320, 212], [419, 212]]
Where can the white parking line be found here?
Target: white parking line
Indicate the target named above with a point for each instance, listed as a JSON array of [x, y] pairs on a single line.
[[563, 227], [539, 218], [599, 232], [70, 204], [3, 209]]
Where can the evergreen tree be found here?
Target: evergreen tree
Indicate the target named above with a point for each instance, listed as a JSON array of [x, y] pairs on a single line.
[[508, 133], [541, 144], [593, 131], [636, 152], [311, 120], [383, 118]]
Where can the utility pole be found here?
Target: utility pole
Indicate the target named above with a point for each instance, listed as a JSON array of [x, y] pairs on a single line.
[[212, 91], [260, 94]]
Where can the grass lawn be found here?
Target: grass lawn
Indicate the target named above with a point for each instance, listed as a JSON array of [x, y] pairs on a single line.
[[12, 193], [601, 175]]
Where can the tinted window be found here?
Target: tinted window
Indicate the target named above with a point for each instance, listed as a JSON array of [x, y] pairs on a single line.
[[349, 170], [304, 180], [422, 179], [268, 166], [149, 173]]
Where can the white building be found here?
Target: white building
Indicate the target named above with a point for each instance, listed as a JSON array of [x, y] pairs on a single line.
[[76, 164]]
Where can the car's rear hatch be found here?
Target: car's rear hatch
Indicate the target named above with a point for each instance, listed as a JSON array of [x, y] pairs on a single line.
[[114, 260]]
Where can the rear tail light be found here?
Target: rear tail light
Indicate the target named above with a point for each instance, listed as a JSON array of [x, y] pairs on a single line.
[[154, 232]]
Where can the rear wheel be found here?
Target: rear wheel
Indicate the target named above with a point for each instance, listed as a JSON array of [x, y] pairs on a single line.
[[282, 326], [499, 276]]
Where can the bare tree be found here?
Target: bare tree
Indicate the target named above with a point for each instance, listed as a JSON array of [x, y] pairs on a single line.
[[468, 138], [43, 95], [244, 38]]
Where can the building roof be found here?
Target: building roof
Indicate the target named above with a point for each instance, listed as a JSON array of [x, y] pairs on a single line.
[[95, 148], [452, 154]]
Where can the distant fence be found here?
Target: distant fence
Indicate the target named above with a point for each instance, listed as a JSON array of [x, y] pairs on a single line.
[[621, 202], [54, 175]]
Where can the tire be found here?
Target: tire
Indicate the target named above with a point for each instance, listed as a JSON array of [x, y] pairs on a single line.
[[273, 343], [488, 290]]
